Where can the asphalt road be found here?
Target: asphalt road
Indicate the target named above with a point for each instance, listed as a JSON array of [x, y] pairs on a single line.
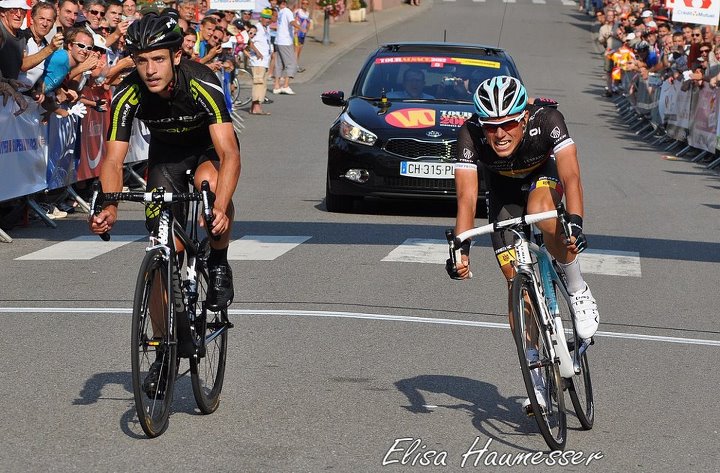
[[338, 348]]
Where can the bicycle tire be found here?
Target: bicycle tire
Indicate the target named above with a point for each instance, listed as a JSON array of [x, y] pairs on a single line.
[[242, 85], [153, 411], [580, 385], [552, 420], [207, 369]]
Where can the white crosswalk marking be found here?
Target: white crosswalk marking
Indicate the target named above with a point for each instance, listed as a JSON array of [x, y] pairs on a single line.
[[608, 262], [569, 3], [81, 248], [613, 263], [539, 2], [419, 250], [478, 1], [263, 247], [509, 1]]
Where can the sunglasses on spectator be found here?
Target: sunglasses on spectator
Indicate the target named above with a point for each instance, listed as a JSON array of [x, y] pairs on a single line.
[[706, 51], [84, 46], [506, 125], [97, 13], [696, 34]]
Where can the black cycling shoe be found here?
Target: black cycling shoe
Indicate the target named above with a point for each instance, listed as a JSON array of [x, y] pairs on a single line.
[[156, 379], [221, 292]]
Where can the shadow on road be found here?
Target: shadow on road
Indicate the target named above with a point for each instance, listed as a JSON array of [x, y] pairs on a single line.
[[91, 393], [493, 415]]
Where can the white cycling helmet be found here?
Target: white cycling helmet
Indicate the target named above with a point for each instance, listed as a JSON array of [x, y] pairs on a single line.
[[499, 97]]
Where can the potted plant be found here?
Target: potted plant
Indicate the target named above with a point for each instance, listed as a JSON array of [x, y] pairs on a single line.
[[355, 13]]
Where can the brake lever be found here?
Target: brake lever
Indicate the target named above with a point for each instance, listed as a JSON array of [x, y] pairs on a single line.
[[96, 205], [208, 199]]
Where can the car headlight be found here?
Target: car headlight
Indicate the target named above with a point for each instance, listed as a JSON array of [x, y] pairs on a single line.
[[351, 131]]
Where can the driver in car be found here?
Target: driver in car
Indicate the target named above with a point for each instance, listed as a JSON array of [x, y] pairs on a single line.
[[413, 85]]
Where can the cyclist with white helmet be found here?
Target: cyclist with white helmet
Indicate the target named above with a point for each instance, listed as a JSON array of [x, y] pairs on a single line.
[[528, 162], [182, 104]]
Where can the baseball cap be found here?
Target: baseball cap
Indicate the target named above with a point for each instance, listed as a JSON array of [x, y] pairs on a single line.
[[266, 13], [14, 4], [646, 14]]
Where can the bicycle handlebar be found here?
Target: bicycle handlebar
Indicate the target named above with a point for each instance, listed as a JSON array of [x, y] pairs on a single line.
[[207, 197], [456, 241]]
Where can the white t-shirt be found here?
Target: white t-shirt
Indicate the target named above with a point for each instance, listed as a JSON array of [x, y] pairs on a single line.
[[32, 76], [262, 43], [284, 29]]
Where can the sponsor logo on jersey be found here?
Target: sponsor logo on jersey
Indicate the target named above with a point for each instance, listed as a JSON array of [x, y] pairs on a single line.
[[467, 154], [534, 131], [412, 118], [555, 134]]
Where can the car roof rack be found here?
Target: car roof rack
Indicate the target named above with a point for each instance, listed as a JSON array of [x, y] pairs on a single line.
[[440, 46]]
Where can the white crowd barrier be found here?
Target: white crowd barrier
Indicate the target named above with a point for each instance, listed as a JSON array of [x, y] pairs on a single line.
[[35, 157], [690, 117]]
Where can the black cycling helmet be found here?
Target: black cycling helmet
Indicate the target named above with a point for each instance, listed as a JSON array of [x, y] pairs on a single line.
[[154, 31]]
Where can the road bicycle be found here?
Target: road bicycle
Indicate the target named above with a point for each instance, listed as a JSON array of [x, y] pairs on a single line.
[[541, 309], [171, 317]]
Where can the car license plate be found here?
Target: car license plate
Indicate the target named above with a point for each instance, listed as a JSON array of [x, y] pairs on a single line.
[[427, 170]]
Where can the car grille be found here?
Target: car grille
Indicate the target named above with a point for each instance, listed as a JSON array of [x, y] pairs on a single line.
[[413, 149]]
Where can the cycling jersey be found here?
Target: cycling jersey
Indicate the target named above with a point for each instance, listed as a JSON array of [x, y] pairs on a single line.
[[180, 122], [545, 134], [508, 180]]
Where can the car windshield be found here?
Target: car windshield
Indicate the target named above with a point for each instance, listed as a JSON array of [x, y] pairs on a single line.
[[417, 77]]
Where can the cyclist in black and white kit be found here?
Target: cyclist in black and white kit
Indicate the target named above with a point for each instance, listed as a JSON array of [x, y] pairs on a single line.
[[528, 161], [183, 105]]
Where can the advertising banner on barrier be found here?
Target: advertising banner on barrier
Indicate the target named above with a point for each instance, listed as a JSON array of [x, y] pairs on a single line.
[[232, 5], [92, 139], [22, 152], [699, 12], [703, 134], [63, 151], [666, 104]]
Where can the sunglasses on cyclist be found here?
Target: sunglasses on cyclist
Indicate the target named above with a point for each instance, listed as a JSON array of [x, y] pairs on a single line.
[[506, 125], [84, 46]]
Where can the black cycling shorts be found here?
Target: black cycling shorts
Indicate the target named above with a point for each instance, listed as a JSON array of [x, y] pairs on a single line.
[[172, 175], [507, 198]]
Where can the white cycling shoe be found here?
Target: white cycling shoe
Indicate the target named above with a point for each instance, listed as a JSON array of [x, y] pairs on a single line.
[[587, 317]]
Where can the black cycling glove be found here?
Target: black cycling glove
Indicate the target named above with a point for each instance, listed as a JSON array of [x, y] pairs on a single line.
[[575, 222], [450, 262]]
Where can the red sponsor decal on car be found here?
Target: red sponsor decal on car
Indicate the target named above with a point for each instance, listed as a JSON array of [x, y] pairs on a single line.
[[412, 118]]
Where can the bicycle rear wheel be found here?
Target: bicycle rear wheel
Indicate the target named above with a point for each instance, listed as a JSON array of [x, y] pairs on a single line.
[[207, 369], [242, 88], [580, 385], [542, 375], [152, 294]]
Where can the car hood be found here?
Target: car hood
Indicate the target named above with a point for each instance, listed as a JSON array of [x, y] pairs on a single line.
[[431, 119]]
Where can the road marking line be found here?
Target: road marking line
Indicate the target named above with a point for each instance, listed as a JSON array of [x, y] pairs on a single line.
[[263, 247], [509, 1], [478, 1], [357, 315], [569, 3], [420, 250], [539, 2], [611, 262], [433, 251], [80, 248]]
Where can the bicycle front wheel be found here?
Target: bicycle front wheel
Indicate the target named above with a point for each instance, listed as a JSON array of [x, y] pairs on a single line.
[[207, 368], [540, 373], [153, 344], [581, 392], [242, 88]]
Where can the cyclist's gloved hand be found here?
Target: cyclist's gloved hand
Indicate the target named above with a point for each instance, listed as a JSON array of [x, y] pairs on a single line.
[[575, 222], [451, 267]]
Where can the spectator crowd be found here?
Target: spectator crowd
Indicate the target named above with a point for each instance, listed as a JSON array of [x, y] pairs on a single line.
[[639, 40], [68, 55]]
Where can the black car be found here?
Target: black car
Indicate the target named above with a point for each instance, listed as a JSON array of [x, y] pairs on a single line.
[[396, 135]]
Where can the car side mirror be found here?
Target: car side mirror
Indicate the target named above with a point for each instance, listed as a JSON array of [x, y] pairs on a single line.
[[334, 98]]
